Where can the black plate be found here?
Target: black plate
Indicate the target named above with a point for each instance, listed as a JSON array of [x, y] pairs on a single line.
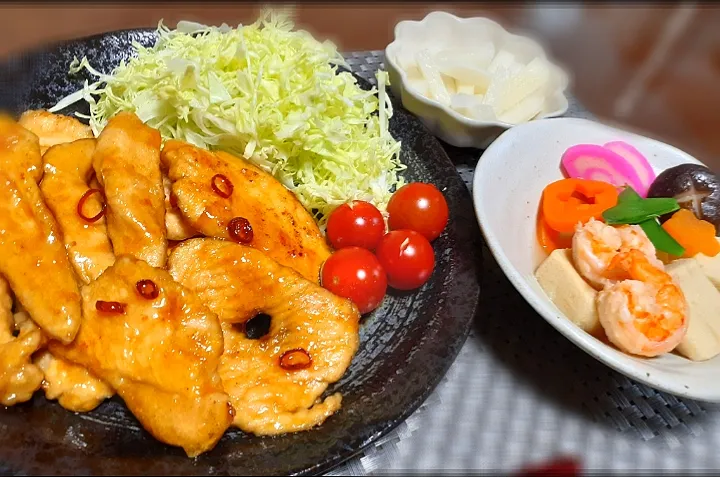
[[406, 346]]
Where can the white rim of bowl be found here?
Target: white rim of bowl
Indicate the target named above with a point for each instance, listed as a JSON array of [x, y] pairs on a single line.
[[564, 76]]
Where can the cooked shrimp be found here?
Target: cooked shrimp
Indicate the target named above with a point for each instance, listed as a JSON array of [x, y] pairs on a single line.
[[645, 313], [634, 237], [596, 244]]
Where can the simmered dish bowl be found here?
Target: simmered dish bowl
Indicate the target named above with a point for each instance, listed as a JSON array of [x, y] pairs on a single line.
[[515, 172], [174, 275]]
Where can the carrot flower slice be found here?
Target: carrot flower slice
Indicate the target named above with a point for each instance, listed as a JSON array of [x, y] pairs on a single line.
[[567, 202], [695, 235], [550, 239]]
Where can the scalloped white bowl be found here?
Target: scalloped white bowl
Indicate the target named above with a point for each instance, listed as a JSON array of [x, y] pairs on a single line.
[[507, 187], [441, 30]]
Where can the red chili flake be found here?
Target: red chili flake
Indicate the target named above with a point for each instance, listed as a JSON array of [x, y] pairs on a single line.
[[110, 307], [295, 360], [240, 230], [81, 205], [147, 289], [222, 185]]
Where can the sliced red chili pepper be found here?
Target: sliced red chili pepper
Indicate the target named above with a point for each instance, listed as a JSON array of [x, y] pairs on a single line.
[[147, 289], [222, 186], [240, 230], [110, 307], [81, 205], [295, 360]]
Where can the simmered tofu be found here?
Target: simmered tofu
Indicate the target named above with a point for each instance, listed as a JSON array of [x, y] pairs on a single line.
[[702, 340], [569, 291], [711, 267]]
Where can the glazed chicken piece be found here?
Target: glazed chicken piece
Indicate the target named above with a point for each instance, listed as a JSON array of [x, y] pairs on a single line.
[[308, 325], [6, 304], [68, 167], [19, 377], [23, 145], [32, 256], [52, 129], [269, 400], [177, 227], [23, 322], [74, 387], [281, 227], [158, 346], [127, 165]]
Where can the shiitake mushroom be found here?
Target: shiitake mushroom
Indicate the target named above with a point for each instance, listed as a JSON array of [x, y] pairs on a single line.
[[695, 187]]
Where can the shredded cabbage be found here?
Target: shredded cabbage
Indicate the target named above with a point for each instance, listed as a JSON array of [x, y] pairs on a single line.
[[264, 92]]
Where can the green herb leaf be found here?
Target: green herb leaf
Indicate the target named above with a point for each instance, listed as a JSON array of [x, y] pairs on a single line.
[[660, 238], [636, 212], [633, 209], [629, 195]]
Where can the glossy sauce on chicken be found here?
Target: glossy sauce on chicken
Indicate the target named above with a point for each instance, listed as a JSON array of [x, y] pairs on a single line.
[[32, 255], [127, 165], [68, 168], [160, 355], [281, 227], [270, 394]]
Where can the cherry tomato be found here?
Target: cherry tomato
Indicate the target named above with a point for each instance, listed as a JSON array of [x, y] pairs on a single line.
[[355, 224], [356, 274], [419, 207], [407, 257]]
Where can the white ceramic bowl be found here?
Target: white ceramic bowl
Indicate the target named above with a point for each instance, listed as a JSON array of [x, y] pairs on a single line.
[[507, 187], [441, 30]]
